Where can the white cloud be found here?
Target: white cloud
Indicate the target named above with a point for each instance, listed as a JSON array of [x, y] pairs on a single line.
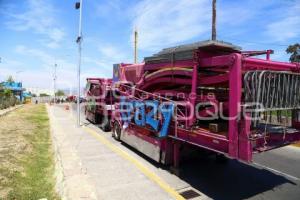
[[164, 23], [111, 52], [106, 8], [97, 62], [40, 18], [11, 62], [38, 78], [237, 13], [288, 25], [285, 29], [102, 66], [10, 67], [67, 71], [281, 24], [91, 60], [42, 75], [36, 53], [92, 67]]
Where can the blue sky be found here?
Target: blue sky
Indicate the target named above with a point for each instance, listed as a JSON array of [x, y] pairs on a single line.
[[37, 33]]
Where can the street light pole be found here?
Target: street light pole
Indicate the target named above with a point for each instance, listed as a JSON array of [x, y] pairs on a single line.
[[55, 77], [54, 82], [78, 5]]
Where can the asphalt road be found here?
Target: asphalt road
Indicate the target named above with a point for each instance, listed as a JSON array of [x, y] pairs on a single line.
[[278, 179], [273, 175]]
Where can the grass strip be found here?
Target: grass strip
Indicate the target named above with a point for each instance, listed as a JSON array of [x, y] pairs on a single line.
[[29, 173]]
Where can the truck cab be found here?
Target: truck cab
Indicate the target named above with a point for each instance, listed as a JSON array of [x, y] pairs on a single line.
[[99, 102]]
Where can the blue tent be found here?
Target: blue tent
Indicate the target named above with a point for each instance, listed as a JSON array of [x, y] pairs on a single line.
[[15, 87], [27, 94]]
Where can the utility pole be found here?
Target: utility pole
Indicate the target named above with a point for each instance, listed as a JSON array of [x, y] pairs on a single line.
[[135, 45], [54, 82], [78, 5], [214, 18]]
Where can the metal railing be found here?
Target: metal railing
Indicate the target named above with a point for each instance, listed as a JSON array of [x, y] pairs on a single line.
[[268, 91], [144, 95]]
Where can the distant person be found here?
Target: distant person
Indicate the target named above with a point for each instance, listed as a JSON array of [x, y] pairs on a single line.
[[36, 102]]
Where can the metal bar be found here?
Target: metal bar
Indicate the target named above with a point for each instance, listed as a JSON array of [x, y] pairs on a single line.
[[235, 85]]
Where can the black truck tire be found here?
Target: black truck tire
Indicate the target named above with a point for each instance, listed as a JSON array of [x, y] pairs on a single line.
[[116, 133]]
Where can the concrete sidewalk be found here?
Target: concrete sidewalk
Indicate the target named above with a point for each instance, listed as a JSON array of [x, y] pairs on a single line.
[[89, 169]]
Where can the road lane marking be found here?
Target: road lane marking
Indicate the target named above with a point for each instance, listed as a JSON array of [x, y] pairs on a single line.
[[276, 171], [147, 172]]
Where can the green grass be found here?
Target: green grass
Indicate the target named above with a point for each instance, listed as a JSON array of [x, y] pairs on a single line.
[[36, 179]]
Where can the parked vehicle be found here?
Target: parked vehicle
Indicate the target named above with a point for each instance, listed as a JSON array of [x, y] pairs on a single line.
[[71, 98], [99, 102], [81, 100]]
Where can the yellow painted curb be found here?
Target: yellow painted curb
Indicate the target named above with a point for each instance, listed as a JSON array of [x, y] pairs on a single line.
[[296, 145], [152, 176]]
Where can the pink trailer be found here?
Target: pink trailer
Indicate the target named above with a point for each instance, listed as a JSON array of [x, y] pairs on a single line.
[[220, 98]]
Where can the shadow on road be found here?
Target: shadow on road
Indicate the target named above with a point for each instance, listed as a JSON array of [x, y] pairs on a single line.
[[231, 180]]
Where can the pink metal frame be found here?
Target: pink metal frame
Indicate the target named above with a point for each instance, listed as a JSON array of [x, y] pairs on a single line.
[[236, 144], [105, 86]]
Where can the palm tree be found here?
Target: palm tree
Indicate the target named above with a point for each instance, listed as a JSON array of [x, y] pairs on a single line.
[[295, 51]]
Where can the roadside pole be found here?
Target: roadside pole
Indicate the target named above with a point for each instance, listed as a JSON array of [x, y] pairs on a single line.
[[214, 18], [135, 45], [78, 5], [54, 82]]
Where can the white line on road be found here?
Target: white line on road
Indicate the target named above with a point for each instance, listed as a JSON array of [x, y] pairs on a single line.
[[276, 171]]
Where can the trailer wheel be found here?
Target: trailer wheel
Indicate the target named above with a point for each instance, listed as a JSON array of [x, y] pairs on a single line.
[[116, 131]]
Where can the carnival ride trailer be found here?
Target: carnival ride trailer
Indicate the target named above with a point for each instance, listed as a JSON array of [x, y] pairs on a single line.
[[208, 94]]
